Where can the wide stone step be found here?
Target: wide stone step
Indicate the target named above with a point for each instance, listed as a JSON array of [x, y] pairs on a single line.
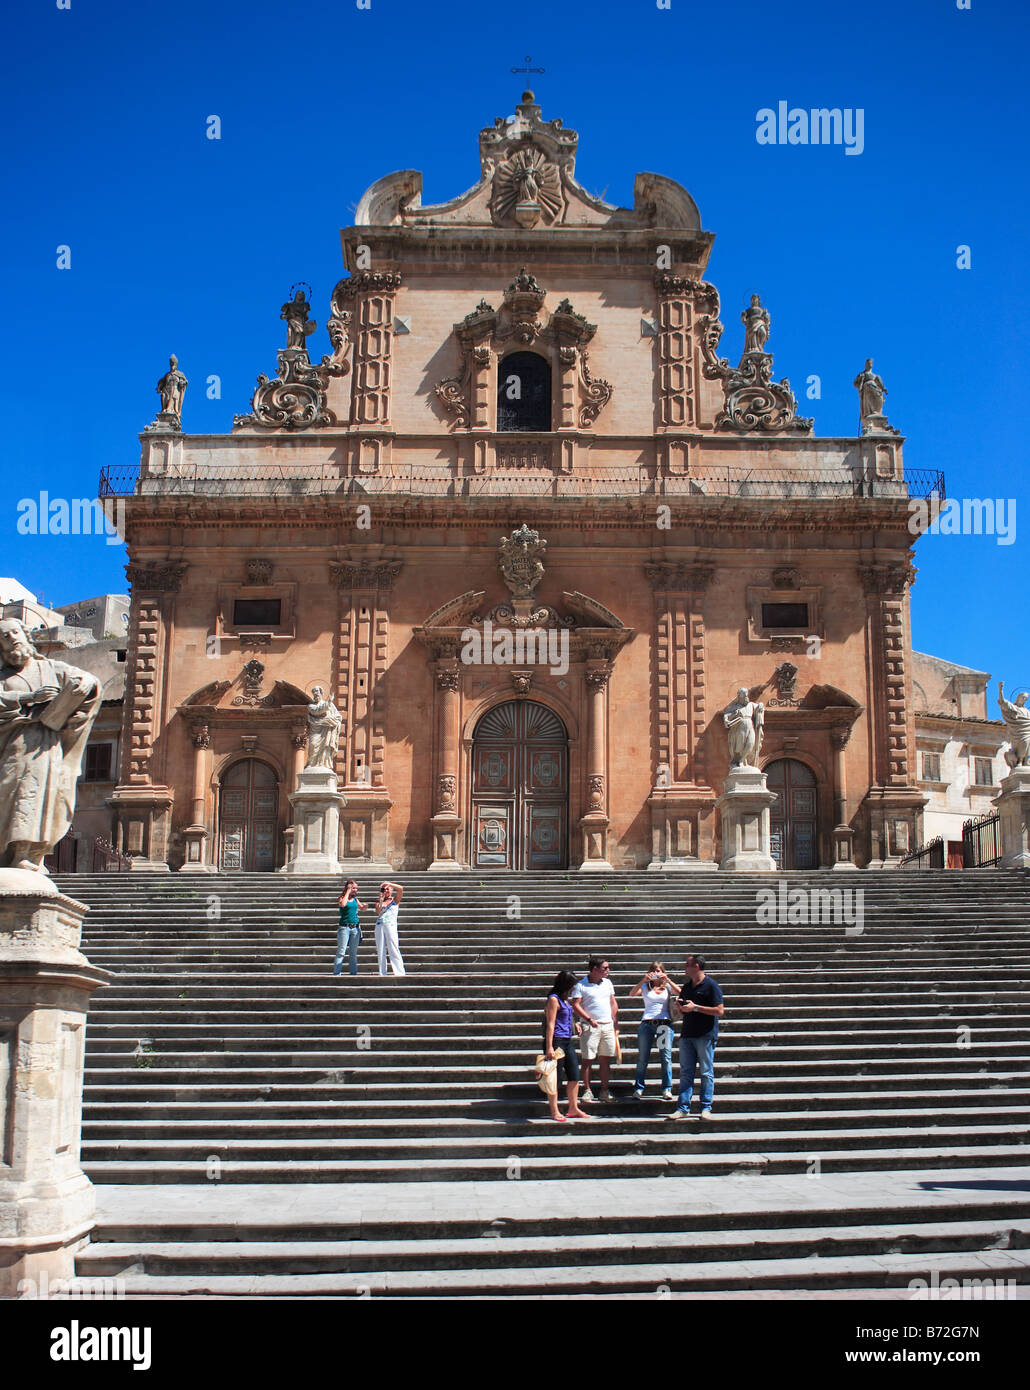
[[836, 1272]]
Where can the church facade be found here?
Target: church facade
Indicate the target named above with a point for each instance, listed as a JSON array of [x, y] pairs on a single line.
[[530, 532]]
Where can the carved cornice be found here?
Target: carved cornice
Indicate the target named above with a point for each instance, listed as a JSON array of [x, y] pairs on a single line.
[[888, 580], [165, 579], [674, 576], [364, 574], [367, 282]]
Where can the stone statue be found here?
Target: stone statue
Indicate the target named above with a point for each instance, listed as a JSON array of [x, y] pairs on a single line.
[[1017, 721], [298, 326], [745, 724], [756, 326], [172, 387], [324, 721], [46, 711], [871, 392]]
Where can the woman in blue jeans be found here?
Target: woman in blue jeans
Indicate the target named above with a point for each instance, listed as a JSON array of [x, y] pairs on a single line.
[[655, 1026], [348, 933]]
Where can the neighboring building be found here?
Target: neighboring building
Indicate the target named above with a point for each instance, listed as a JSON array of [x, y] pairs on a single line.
[[106, 616], [959, 749], [524, 364], [18, 602]]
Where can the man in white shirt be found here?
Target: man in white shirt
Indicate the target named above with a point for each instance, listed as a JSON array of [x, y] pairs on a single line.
[[593, 999], [387, 945]]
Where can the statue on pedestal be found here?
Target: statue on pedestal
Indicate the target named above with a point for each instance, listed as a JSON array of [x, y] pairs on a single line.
[[171, 388], [298, 326], [1017, 722], [745, 725], [756, 326], [324, 721], [46, 711], [871, 395]]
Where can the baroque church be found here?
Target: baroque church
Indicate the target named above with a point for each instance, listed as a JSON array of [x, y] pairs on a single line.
[[530, 532]]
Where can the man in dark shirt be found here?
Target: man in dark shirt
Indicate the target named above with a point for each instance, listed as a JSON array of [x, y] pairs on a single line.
[[700, 1007]]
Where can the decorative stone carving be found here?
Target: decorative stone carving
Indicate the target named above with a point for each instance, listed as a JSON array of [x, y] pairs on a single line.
[[366, 282], [453, 393], [744, 720], [596, 785], [598, 677], [47, 709], [324, 721], [298, 326], [299, 736], [597, 392], [526, 189], [839, 735], [521, 680], [155, 578], [786, 577], [201, 735], [871, 395], [259, 571], [1017, 721], [364, 574], [524, 299], [668, 574], [785, 678], [889, 580], [448, 678], [787, 644], [521, 561], [253, 674], [752, 400], [446, 791]]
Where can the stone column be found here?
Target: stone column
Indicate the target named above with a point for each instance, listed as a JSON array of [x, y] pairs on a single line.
[[373, 293], [197, 835], [47, 1204], [447, 820], [1013, 805], [595, 823], [141, 802], [843, 835]]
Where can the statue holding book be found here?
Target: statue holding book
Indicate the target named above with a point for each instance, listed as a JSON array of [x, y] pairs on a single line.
[[47, 709]]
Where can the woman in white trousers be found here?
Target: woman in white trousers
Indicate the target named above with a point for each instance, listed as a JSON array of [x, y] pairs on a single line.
[[387, 945]]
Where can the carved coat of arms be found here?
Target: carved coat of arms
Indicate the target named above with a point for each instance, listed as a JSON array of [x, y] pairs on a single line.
[[521, 561]]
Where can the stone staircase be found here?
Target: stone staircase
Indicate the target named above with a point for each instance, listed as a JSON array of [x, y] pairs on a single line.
[[871, 1096]]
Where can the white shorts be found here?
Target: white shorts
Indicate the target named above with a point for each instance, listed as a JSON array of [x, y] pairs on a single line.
[[597, 1042]]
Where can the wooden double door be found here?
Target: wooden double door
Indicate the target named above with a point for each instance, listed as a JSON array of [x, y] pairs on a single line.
[[248, 819], [794, 818], [520, 788]]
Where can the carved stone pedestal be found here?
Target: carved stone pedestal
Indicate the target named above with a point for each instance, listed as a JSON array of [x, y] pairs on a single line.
[[47, 1204], [1014, 808], [675, 819], [316, 823], [744, 812], [446, 830], [843, 847], [365, 833], [196, 837], [595, 843]]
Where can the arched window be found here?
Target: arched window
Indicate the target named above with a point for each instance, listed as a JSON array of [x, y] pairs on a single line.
[[524, 392]]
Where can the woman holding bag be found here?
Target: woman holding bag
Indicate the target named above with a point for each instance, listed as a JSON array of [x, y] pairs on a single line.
[[558, 1035]]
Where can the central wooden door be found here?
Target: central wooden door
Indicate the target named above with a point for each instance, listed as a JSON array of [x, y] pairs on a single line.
[[520, 788], [248, 816], [793, 818]]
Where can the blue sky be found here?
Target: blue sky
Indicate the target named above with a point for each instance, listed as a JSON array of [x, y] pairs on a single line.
[[180, 243]]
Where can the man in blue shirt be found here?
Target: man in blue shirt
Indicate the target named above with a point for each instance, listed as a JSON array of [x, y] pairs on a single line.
[[700, 1007]]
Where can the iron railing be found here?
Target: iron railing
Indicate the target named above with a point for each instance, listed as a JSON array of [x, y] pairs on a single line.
[[928, 856], [86, 855], [981, 842], [518, 474]]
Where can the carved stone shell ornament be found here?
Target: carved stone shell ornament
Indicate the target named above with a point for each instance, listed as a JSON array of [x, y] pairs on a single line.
[[527, 189]]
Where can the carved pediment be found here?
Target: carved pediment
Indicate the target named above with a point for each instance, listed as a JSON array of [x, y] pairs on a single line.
[[590, 612], [829, 697]]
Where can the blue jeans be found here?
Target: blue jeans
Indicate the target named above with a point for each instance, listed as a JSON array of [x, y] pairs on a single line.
[[697, 1052], [347, 938], [649, 1030]]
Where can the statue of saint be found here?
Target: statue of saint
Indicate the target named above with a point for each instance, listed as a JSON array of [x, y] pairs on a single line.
[[172, 387], [745, 724], [1017, 722], [46, 711], [324, 721], [871, 392], [298, 326], [756, 326]]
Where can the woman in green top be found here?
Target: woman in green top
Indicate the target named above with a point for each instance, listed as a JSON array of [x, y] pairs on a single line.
[[349, 933]]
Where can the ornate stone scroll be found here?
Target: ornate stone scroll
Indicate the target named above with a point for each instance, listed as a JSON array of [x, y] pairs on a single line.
[[752, 400], [521, 561]]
